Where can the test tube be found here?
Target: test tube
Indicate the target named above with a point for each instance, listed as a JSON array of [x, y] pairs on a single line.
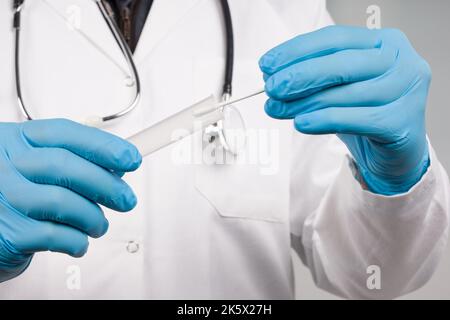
[[182, 124], [178, 126]]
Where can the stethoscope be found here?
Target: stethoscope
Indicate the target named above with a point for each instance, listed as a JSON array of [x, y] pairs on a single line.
[[214, 132]]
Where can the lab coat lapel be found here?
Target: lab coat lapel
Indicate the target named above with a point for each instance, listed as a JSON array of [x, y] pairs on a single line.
[[85, 18], [164, 17]]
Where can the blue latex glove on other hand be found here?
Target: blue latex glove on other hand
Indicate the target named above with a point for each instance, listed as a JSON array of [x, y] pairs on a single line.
[[368, 86], [53, 175]]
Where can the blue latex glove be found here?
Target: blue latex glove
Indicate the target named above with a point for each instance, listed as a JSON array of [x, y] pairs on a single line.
[[368, 86], [53, 175]]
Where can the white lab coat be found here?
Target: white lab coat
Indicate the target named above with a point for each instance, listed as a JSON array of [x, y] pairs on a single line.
[[213, 231]]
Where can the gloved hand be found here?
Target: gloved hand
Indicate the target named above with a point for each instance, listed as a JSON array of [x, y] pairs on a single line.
[[53, 175], [368, 86]]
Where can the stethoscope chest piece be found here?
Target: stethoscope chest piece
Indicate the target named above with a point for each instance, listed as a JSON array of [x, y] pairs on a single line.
[[229, 133]]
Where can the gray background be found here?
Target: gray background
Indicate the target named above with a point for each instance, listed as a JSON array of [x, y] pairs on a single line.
[[427, 25]]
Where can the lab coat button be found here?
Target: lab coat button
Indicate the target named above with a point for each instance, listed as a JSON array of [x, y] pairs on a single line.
[[132, 247]]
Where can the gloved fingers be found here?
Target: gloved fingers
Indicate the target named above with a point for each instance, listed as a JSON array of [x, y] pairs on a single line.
[[120, 174], [319, 43], [60, 205], [362, 121], [63, 168], [36, 236], [314, 75], [53, 203], [92, 144], [370, 93]]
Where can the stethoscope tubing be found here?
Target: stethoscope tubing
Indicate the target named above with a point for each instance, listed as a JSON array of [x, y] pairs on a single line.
[[99, 121]]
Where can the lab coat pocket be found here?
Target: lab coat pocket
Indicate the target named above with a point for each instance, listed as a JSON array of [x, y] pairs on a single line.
[[255, 184], [236, 191]]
